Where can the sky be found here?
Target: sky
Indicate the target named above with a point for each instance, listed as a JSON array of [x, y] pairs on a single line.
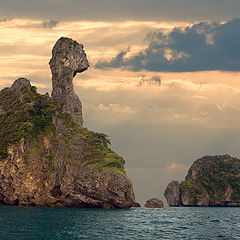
[[163, 82]]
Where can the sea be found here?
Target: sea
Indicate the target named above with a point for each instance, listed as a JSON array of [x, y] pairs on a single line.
[[23, 223]]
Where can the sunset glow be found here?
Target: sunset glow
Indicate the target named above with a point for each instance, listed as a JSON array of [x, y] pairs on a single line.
[[162, 108]]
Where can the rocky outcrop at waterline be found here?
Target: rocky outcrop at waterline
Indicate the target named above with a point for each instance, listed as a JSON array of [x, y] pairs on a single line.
[[211, 181], [173, 194], [136, 204], [154, 203], [47, 157]]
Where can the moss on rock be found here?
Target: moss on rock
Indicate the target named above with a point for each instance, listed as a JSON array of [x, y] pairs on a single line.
[[213, 175], [25, 114], [211, 181], [29, 115]]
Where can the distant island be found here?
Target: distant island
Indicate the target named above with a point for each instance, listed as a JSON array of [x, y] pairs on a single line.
[[211, 181], [47, 157]]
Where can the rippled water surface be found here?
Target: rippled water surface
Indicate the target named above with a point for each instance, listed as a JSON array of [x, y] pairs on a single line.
[[138, 223]]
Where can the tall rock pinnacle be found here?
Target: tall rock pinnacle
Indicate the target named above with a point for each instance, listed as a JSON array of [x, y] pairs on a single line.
[[45, 160], [68, 59]]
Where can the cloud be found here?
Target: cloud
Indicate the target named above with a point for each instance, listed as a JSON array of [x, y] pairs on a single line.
[[200, 47], [149, 81], [156, 128], [173, 10], [49, 24], [161, 130], [4, 19]]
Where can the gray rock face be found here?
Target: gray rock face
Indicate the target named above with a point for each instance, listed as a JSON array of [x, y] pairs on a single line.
[[172, 193], [20, 84], [154, 203], [178, 195], [68, 59], [38, 184]]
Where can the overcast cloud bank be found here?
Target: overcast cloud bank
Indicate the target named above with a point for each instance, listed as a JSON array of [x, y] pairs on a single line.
[[115, 10], [202, 46]]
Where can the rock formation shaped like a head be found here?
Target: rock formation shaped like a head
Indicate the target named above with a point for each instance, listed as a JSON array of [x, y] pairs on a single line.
[[68, 56], [68, 59]]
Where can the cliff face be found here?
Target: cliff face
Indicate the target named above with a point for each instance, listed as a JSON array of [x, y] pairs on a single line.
[[211, 181], [173, 194], [68, 59], [47, 158]]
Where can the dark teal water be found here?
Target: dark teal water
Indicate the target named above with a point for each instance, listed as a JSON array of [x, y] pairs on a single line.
[[20, 223]]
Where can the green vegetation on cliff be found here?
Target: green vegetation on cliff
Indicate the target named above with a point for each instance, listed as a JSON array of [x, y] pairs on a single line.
[[26, 114], [95, 151], [29, 115], [213, 175]]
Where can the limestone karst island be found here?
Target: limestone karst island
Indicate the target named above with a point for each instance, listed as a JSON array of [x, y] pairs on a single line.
[[211, 181], [119, 120], [47, 157]]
